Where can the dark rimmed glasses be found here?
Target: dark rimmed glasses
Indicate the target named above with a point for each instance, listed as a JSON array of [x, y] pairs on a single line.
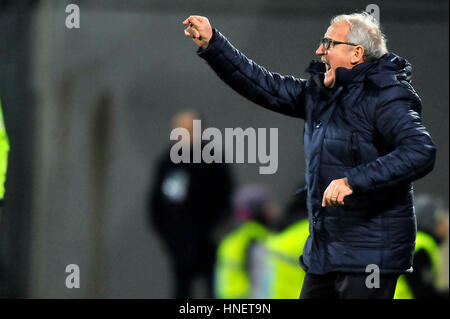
[[329, 43]]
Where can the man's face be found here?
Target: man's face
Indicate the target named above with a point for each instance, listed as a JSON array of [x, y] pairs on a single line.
[[336, 56]]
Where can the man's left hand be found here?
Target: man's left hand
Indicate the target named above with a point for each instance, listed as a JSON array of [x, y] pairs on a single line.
[[336, 191]]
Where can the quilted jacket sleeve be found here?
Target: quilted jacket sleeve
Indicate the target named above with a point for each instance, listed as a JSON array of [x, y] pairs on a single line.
[[411, 150], [273, 91]]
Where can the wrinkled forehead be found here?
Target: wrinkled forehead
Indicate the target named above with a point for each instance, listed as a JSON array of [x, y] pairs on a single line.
[[337, 31]]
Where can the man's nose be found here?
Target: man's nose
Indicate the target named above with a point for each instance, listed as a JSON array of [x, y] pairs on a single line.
[[321, 50]]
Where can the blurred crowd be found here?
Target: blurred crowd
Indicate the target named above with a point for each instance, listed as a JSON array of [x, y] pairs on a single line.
[[246, 246]]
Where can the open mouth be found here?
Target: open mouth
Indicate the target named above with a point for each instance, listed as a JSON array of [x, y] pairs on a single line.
[[327, 67]]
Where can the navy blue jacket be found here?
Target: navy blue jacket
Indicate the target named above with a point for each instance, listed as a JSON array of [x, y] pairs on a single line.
[[368, 129]]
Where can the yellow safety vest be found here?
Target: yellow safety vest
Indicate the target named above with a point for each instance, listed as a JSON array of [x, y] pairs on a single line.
[[4, 150], [231, 276], [423, 241], [283, 251]]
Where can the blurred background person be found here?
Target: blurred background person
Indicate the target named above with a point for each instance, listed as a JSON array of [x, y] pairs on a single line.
[[255, 214], [187, 205], [4, 150], [284, 276], [432, 231], [295, 209]]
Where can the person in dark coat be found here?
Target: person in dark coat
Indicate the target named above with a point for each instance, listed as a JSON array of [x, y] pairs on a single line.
[[188, 203], [432, 227], [364, 144]]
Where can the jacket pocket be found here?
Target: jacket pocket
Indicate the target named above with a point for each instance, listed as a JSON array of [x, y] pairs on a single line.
[[354, 149]]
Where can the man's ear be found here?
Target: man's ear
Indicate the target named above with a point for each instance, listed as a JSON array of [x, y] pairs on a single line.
[[358, 54]]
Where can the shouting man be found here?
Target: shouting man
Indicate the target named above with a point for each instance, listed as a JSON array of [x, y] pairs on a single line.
[[364, 146]]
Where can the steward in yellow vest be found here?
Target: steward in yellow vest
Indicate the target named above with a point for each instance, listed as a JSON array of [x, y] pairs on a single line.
[[283, 250], [428, 249], [232, 278], [432, 224], [284, 274], [4, 150]]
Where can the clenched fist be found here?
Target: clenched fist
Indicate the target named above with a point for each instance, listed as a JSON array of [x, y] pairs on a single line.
[[199, 30], [336, 191]]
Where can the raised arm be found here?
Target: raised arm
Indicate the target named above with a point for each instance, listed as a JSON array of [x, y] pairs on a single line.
[[283, 94]]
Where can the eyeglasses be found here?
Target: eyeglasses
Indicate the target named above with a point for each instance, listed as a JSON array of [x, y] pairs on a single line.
[[327, 43]]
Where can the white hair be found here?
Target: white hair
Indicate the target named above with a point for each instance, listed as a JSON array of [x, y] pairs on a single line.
[[364, 30]]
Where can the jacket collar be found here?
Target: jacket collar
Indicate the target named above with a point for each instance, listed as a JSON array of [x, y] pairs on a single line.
[[384, 72], [316, 67], [343, 76], [356, 74]]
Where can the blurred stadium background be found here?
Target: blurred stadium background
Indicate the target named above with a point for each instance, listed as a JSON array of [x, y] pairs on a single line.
[[88, 112]]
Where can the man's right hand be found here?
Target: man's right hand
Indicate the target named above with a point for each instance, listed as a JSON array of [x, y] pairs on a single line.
[[199, 30]]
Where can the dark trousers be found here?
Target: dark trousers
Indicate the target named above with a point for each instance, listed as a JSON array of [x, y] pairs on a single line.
[[184, 279], [347, 286]]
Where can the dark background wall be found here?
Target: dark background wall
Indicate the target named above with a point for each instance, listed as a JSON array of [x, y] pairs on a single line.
[[88, 112]]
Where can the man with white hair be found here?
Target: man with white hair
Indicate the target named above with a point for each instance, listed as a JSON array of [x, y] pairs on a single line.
[[364, 145]]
